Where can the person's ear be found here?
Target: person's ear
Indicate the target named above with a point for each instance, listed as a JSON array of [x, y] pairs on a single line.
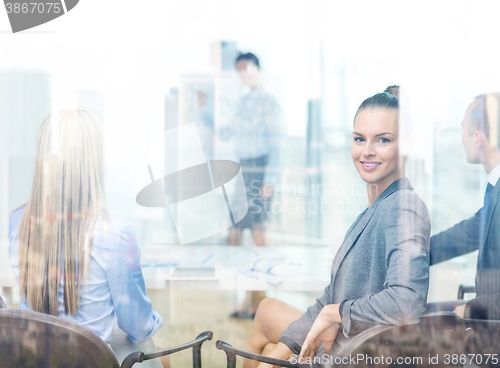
[[481, 140], [477, 141]]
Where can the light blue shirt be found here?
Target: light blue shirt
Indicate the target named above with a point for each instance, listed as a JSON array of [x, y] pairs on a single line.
[[116, 286], [258, 132]]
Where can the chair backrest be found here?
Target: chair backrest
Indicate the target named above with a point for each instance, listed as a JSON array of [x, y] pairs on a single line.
[[415, 345], [419, 345], [36, 340], [484, 346]]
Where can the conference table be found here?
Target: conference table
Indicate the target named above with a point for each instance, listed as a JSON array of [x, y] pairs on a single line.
[[220, 267], [291, 268]]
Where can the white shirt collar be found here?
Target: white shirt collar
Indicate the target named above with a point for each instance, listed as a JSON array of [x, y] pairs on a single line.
[[494, 175]]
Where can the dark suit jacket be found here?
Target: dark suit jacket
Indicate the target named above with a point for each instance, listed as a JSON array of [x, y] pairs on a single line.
[[464, 238]]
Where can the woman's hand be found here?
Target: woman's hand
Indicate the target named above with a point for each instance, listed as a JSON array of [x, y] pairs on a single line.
[[324, 330]]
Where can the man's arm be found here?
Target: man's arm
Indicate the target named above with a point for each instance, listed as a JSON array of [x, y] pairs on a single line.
[[458, 240]]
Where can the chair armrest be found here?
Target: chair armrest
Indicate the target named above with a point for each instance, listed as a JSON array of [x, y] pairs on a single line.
[[138, 357], [231, 354], [462, 289]]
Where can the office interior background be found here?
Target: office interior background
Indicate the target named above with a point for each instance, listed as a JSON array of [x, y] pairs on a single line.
[[143, 73]]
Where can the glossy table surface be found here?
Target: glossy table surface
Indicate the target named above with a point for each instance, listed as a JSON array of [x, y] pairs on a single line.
[[291, 268]]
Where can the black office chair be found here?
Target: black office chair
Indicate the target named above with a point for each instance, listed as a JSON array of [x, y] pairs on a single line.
[[407, 346], [484, 343], [484, 340], [465, 289], [441, 333], [33, 340]]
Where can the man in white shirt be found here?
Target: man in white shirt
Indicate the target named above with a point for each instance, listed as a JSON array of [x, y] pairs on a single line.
[[481, 140]]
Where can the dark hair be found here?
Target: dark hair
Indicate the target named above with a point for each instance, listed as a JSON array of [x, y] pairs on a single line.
[[250, 57], [389, 99]]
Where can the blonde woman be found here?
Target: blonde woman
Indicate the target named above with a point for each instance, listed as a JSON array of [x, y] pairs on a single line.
[[70, 257]]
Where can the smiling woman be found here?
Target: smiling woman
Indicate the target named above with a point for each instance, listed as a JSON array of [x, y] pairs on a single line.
[[375, 150], [380, 275]]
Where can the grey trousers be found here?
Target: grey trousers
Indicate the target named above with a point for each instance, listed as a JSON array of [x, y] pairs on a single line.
[[123, 346]]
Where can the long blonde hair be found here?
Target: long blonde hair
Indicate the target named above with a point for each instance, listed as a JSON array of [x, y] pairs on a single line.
[[67, 197]]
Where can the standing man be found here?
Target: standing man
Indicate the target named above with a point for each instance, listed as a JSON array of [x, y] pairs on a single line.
[[258, 135], [481, 140]]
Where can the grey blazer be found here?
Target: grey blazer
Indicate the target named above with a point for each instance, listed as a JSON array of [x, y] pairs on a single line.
[[381, 271]]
